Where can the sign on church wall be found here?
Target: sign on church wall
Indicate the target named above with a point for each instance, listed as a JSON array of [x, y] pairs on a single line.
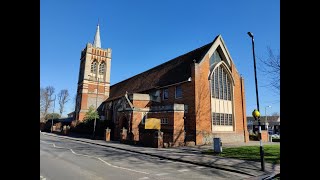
[[152, 123]]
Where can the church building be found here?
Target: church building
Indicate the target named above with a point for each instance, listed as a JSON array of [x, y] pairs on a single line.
[[197, 96]]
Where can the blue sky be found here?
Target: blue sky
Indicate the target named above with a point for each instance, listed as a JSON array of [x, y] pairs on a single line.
[[144, 33]]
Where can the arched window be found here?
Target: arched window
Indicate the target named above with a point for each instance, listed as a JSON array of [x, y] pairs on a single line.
[[215, 58], [94, 66], [102, 68], [221, 84], [221, 93]]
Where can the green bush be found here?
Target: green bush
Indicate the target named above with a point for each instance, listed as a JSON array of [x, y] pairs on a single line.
[[83, 127]]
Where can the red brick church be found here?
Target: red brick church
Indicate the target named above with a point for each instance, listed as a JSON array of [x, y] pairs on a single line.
[[197, 96]]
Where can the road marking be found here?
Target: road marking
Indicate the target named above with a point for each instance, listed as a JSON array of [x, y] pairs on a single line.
[[200, 167], [42, 178], [183, 170], [96, 158], [161, 174], [122, 167], [143, 178]]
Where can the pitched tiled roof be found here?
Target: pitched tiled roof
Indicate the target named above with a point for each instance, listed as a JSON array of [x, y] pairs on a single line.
[[170, 72]]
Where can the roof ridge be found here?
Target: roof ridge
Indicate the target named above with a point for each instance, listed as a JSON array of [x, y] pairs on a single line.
[[171, 60]]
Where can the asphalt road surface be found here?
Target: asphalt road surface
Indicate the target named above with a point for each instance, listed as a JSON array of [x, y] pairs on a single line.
[[62, 159]]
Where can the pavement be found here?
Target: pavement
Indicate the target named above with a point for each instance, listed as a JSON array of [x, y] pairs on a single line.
[[191, 155]]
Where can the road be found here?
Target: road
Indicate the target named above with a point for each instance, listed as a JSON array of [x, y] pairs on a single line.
[[63, 159]]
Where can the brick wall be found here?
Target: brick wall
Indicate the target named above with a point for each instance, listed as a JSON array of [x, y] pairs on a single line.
[[136, 122], [140, 103], [178, 129], [188, 100], [167, 129], [173, 132], [84, 101], [228, 137], [264, 136], [240, 104], [202, 100], [239, 123], [81, 116], [245, 126]]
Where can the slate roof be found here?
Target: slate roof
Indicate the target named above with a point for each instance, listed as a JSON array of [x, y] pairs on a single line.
[[173, 71]]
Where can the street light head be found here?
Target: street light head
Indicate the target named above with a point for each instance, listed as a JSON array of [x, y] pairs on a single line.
[[256, 114], [250, 34]]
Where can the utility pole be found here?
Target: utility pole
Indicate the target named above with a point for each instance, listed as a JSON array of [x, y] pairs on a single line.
[[265, 112], [95, 117]]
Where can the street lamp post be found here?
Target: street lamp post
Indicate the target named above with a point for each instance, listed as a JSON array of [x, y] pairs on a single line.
[[257, 97], [267, 117], [95, 117], [54, 103]]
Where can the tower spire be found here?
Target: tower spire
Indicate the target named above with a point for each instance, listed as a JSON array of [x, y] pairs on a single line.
[[97, 42]]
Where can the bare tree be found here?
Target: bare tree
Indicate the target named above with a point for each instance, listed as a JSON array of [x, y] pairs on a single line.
[[271, 69], [45, 100], [63, 98]]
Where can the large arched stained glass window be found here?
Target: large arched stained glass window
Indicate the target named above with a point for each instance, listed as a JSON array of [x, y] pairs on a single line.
[[221, 92], [221, 84], [215, 58]]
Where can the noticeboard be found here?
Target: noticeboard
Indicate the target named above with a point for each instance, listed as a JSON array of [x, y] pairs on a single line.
[[152, 123]]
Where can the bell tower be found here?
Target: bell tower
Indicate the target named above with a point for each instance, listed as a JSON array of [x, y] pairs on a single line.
[[94, 77]]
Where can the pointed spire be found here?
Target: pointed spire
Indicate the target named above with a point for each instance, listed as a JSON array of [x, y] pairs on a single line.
[[97, 42]]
